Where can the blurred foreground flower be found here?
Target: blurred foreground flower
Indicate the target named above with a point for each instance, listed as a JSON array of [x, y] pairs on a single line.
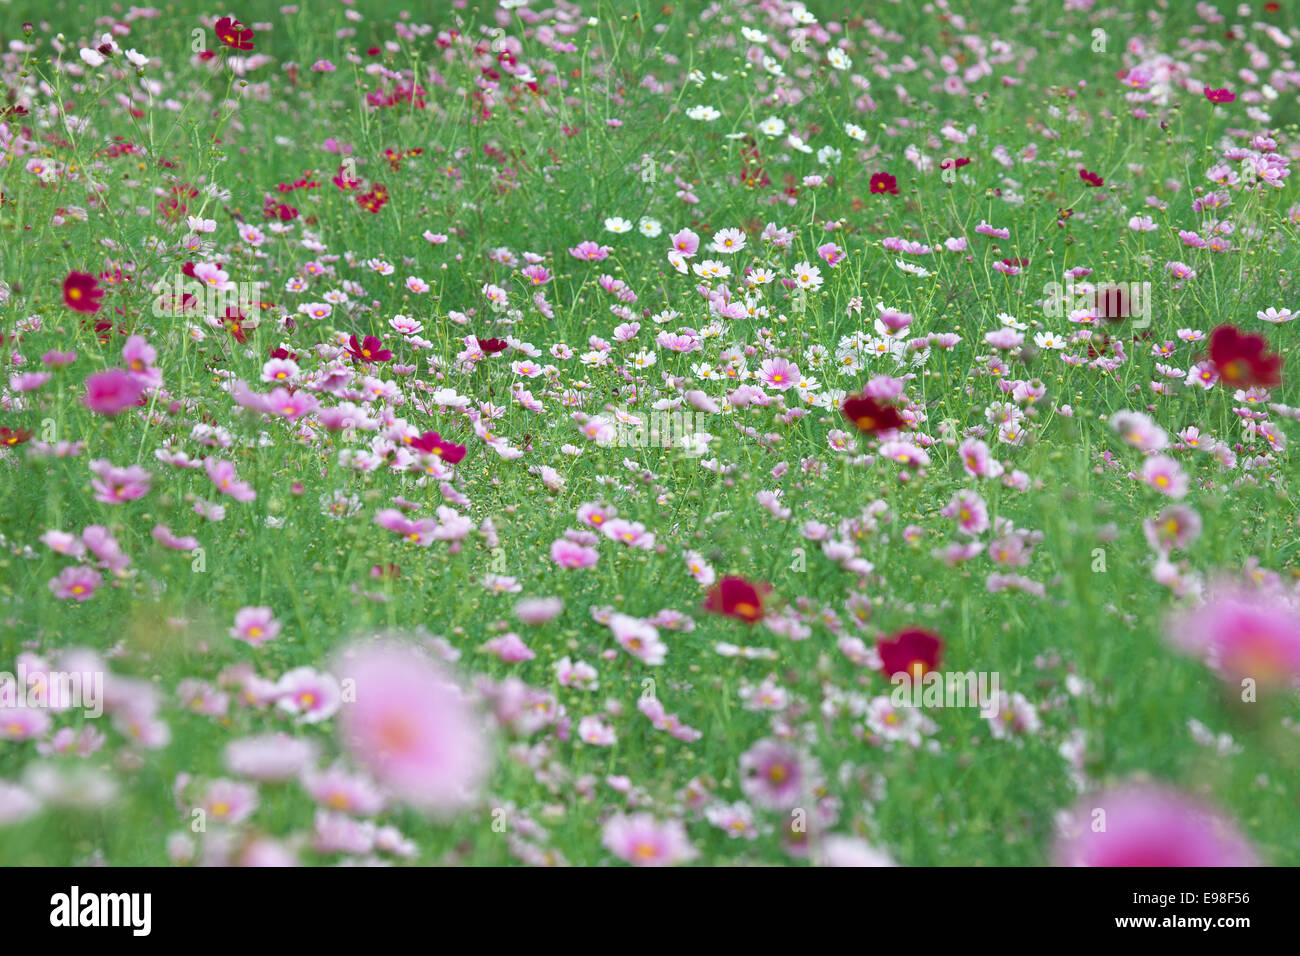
[[408, 722], [1148, 825]]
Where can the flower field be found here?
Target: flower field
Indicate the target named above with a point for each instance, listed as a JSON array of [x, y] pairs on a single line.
[[619, 433]]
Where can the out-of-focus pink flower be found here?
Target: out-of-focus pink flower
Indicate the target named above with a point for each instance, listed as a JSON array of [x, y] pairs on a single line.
[[1146, 825], [411, 726]]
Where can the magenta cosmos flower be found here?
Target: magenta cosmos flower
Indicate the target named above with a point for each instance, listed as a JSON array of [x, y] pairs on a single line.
[[642, 840], [411, 726], [1147, 825], [1244, 632], [111, 391]]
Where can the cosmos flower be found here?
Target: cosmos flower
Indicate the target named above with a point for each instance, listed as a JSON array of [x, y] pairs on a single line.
[[234, 34], [774, 774], [1241, 359], [884, 183], [255, 626], [112, 391], [1149, 826], [912, 652], [642, 840], [82, 292], [871, 416], [411, 726], [735, 597], [368, 350], [1243, 632], [434, 444]]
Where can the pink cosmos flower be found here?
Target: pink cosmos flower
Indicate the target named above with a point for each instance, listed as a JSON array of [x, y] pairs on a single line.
[[595, 732], [309, 694], [977, 460], [509, 647], [1144, 825], [228, 801], [255, 626], [1244, 632], [569, 554], [346, 792], [642, 840], [271, 757], [773, 774], [28, 381], [971, 512], [631, 533], [76, 583], [114, 485], [101, 543], [222, 473], [685, 242], [1165, 475], [779, 373], [164, 536], [1177, 527], [589, 251], [536, 611], [422, 532], [412, 726], [289, 405], [23, 723], [638, 638], [111, 392], [139, 356], [838, 850]]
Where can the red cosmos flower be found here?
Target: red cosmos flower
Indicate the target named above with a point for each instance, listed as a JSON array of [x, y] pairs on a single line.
[[884, 183], [1092, 179], [870, 415], [912, 652], [10, 436], [234, 34], [368, 350], [435, 444], [1241, 360], [736, 597], [491, 346], [234, 323], [282, 353], [955, 163], [374, 200], [81, 292], [1111, 302], [346, 178], [1219, 96]]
